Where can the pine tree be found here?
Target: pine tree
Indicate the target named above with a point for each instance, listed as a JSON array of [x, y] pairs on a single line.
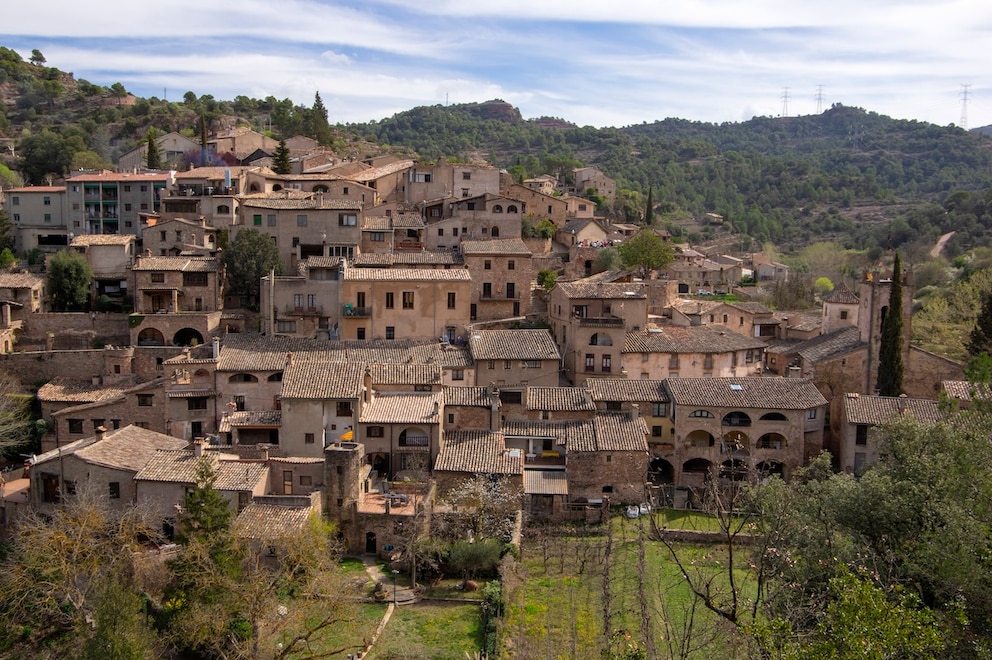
[[981, 335], [154, 160], [890, 367], [280, 160], [649, 209], [320, 130]]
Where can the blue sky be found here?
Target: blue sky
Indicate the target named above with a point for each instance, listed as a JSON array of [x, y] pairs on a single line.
[[603, 63]]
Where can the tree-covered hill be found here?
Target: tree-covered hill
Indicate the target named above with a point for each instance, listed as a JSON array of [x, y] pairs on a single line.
[[854, 176]]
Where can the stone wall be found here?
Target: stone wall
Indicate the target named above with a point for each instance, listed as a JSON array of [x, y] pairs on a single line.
[[925, 371], [109, 328], [626, 472]]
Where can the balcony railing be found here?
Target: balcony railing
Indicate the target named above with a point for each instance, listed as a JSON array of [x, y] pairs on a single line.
[[305, 311], [356, 312], [611, 321]]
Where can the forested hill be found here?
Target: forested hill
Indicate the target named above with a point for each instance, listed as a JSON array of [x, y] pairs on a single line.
[[845, 173], [848, 175]]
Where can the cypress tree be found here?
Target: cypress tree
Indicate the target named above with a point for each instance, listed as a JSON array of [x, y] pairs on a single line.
[[280, 160], [649, 209], [154, 160], [981, 335], [890, 367]]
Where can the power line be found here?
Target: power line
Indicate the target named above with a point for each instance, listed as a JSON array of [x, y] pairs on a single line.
[[965, 94], [819, 99], [785, 102]]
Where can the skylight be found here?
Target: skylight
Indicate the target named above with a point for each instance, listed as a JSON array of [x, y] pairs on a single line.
[[737, 388]]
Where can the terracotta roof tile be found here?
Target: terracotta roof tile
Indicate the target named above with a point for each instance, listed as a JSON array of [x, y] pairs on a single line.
[[875, 410], [965, 391], [421, 257], [754, 392], [322, 379], [559, 399], [102, 239], [841, 295], [619, 432], [20, 281], [270, 522], [477, 397], [68, 390], [545, 482], [185, 264], [602, 290], [406, 374], [402, 408], [626, 389], [514, 246], [179, 466], [407, 274], [513, 345], [478, 452], [691, 339], [129, 448]]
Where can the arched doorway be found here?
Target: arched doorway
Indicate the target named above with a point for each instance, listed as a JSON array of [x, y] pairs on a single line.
[[769, 468], [151, 337], [187, 337], [772, 441], [370, 543], [700, 439], [735, 470], [661, 471]]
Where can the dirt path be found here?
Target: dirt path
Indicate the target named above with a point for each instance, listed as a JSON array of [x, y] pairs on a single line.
[[941, 242]]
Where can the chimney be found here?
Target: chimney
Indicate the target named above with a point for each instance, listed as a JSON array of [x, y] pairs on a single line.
[[198, 447], [216, 347], [264, 453], [902, 404], [100, 432], [289, 359]]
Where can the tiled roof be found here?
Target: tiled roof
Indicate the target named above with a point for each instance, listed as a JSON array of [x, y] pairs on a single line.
[[567, 432], [128, 177], [245, 418], [185, 264], [323, 262], [271, 521], [322, 379], [496, 246], [179, 466], [420, 257], [38, 189], [402, 408], [545, 482], [478, 452], [691, 339], [874, 410], [617, 432], [824, 347], [19, 281], [214, 172], [317, 203], [129, 448], [626, 389], [841, 295], [257, 353], [801, 321], [102, 239], [602, 290], [962, 390], [374, 173], [452, 357], [689, 307], [559, 399], [190, 392], [755, 392], [406, 374], [407, 274], [750, 307], [467, 396], [513, 345], [67, 390]]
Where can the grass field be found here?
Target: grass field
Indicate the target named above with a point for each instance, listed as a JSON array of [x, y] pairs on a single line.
[[430, 630], [569, 590]]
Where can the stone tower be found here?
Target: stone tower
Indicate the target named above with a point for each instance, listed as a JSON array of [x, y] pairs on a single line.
[[343, 479], [840, 310], [872, 310]]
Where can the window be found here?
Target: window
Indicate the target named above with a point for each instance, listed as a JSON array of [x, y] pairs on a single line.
[[360, 333], [344, 190], [16, 201], [17, 217], [656, 431], [390, 301], [507, 364], [512, 208], [115, 490], [607, 363], [377, 236], [487, 265], [708, 361], [457, 374], [451, 418], [271, 219], [497, 209], [301, 220], [145, 400], [196, 403], [48, 217], [194, 279], [725, 318], [158, 278], [390, 332], [701, 414], [374, 432], [257, 220], [75, 426], [466, 176], [144, 206], [530, 364], [511, 396], [487, 290], [408, 300], [347, 220], [843, 314], [306, 480], [511, 265], [344, 409], [614, 406], [285, 326], [451, 300], [861, 438], [144, 188], [440, 231], [659, 409], [127, 207], [492, 364], [590, 362], [811, 414], [511, 290], [308, 438], [161, 235], [673, 361]]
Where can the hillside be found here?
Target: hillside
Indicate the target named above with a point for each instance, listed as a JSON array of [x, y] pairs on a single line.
[[849, 175]]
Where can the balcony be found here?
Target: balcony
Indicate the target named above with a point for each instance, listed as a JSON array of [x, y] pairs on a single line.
[[351, 311], [408, 244], [608, 321], [306, 311], [199, 190]]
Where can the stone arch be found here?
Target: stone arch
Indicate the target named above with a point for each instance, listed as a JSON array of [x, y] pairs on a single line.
[[769, 468], [495, 232], [201, 376], [497, 209], [151, 337], [187, 337], [320, 188], [774, 417], [773, 441], [737, 418], [223, 209], [700, 438], [735, 441], [600, 339], [697, 465], [276, 187], [243, 378], [253, 188], [661, 471], [734, 469], [512, 208]]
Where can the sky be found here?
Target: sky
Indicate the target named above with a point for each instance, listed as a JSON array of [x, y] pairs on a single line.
[[602, 63]]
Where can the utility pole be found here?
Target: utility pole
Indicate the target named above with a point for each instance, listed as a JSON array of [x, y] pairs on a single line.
[[785, 102], [819, 99], [965, 94]]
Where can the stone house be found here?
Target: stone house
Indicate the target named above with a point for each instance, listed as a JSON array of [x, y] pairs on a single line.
[[540, 203], [856, 443], [404, 303], [453, 220], [402, 432], [687, 352], [590, 177], [177, 300], [106, 462], [544, 184], [501, 274], [589, 320], [172, 237], [306, 304], [172, 148], [392, 234], [647, 398], [40, 217], [323, 399], [465, 453], [515, 358], [109, 256], [443, 180], [740, 428], [611, 463]]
